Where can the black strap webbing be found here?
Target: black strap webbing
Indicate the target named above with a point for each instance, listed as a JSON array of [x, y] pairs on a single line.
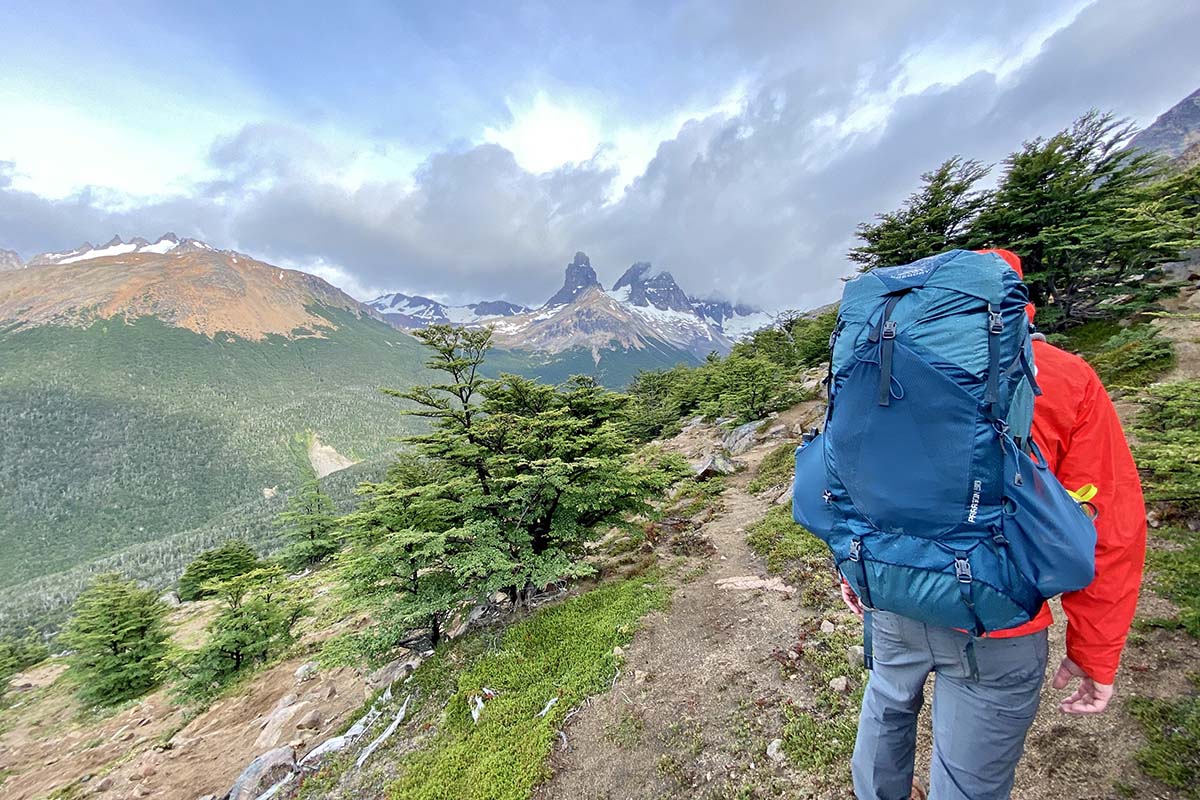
[[868, 650], [991, 395], [887, 328]]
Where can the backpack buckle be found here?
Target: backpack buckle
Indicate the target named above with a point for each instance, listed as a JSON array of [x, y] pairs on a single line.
[[995, 322], [827, 496], [962, 570], [832, 338], [855, 549], [889, 329]]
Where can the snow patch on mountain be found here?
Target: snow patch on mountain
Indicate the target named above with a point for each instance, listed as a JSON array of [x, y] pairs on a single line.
[[415, 311], [102, 252], [167, 243]]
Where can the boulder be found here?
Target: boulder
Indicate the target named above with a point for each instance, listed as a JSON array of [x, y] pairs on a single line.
[[785, 497], [306, 671], [170, 598], [777, 431], [311, 721], [274, 723], [715, 465], [394, 671], [775, 751], [840, 684], [263, 772], [743, 437], [827, 626]]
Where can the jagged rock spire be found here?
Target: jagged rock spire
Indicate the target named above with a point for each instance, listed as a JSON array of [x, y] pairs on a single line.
[[580, 276]]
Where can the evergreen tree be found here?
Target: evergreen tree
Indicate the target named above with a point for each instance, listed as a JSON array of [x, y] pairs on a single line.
[[234, 557], [936, 217], [118, 634], [310, 526], [752, 383], [1091, 229], [511, 481], [259, 610]]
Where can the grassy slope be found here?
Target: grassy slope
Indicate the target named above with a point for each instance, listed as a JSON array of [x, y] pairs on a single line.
[[121, 433]]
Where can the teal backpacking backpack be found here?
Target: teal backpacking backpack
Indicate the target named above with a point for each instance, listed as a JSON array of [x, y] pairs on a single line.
[[926, 484]]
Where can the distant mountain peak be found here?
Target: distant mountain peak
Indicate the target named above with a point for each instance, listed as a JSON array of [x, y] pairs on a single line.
[[579, 276], [1177, 129], [116, 246], [646, 308], [642, 286], [9, 261]]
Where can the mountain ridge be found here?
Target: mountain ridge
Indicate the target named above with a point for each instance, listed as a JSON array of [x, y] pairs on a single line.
[[184, 282], [644, 309], [1173, 132]]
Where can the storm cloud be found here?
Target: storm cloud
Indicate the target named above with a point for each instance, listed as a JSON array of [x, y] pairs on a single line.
[[842, 109]]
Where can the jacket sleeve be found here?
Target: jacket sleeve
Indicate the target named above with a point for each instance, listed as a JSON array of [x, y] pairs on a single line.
[[1099, 616]]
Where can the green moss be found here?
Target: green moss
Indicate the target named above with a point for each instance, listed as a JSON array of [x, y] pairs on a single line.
[[822, 735], [791, 550], [1172, 731], [776, 468], [563, 652], [1175, 574], [1086, 339]]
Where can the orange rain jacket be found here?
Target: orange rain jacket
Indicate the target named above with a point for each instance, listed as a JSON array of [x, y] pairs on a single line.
[[1079, 433]]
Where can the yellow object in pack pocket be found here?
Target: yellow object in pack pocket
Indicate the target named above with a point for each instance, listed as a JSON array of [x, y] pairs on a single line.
[[1084, 496]]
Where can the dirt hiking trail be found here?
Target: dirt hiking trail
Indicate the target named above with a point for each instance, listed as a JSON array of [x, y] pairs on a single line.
[[700, 696]]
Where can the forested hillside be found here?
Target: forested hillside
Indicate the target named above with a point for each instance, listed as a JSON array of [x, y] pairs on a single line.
[[132, 431]]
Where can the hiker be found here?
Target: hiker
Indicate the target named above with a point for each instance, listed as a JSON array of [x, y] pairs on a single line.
[[987, 688]]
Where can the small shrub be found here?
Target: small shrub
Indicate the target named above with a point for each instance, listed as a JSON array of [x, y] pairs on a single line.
[[1137, 355], [118, 634], [259, 612], [1168, 444], [1172, 731], [19, 653]]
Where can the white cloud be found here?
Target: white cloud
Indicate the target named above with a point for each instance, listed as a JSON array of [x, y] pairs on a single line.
[[545, 134]]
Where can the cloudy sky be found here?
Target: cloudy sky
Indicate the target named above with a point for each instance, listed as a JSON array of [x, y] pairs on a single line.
[[467, 150]]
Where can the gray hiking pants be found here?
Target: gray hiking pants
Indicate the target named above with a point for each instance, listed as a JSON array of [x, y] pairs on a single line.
[[979, 725]]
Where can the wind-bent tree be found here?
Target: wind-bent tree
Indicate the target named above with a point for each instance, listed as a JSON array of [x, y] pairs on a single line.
[[938, 216], [1068, 205], [1091, 219]]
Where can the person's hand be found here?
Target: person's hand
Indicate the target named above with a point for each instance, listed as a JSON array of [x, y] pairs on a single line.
[[1090, 698], [851, 600]]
